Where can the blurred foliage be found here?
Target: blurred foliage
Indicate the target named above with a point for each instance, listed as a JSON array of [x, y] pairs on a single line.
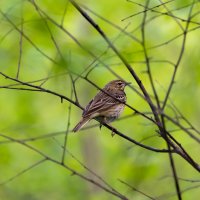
[[69, 44]]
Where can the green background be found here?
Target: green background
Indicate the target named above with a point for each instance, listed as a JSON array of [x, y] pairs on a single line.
[[29, 114]]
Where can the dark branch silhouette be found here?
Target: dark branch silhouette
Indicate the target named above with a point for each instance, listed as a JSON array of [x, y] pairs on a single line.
[[127, 53]]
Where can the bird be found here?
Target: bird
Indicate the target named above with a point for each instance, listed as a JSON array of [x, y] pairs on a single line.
[[106, 106]]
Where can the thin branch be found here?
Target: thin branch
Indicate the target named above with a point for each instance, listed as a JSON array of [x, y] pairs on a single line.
[[96, 58], [76, 104], [42, 89], [64, 13], [134, 141], [20, 45], [68, 127], [112, 24], [147, 57], [27, 38], [179, 58], [134, 189], [146, 9], [185, 119], [170, 12], [186, 130], [89, 170], [74, 172], [175, 177], [23, 171]]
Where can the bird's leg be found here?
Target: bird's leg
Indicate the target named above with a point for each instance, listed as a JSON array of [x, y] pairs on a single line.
[[100, 125], [101, 121], [113, 133]]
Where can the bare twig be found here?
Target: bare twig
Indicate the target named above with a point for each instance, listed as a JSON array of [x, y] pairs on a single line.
[[134, 189], [179, 58], [20, 46], [68, 127], [74, 172], [162, 131], [27, 38], [41, 89], [23, 171]]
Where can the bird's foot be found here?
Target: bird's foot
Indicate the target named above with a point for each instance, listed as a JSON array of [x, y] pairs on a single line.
[[113, 132], [100, 125]]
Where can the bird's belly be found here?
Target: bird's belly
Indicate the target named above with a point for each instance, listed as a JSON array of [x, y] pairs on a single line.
[[112, 113]]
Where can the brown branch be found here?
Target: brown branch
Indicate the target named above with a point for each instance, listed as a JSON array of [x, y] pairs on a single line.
[[134, 141], [134, 189], [89, 170], [74, 172], [41, 89], [20, 48], [112, 24], [68, 128], [182, 128], [23, 171], [96, 58], [179, 59], [147, 57], [27, 38], [146, 9]]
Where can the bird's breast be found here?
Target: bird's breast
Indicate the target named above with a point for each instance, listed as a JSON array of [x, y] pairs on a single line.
[[113, 113]]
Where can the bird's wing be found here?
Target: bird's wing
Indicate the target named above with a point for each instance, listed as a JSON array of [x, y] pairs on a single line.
[[100, 103]]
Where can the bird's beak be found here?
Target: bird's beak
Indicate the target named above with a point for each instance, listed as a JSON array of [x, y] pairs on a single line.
[[128, 83]]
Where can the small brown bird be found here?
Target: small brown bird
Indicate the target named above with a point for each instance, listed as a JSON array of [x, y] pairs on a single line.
[[106, 106]]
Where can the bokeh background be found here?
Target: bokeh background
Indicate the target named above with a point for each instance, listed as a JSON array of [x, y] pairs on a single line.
[[54, 41]]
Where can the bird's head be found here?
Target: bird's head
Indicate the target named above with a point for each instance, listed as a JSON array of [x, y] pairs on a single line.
[[117, 85]]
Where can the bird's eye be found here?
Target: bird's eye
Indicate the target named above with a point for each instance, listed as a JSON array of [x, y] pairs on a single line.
[[120, 83]]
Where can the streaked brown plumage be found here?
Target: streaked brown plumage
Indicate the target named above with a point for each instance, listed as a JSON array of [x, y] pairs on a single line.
[[106, 106]]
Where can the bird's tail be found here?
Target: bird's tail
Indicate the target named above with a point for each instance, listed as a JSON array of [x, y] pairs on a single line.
[[81, 124]]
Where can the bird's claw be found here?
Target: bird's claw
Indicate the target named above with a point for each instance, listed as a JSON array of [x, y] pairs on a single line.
[[100, 125], [113, 132]]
